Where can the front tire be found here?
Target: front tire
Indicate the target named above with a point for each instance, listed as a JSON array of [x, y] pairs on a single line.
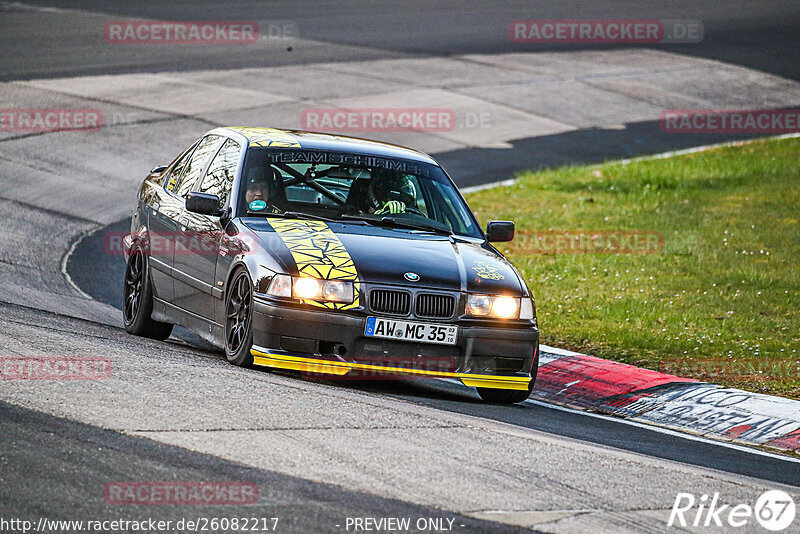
[[505, 396], [137, 304], [511, 396], [239, 320]]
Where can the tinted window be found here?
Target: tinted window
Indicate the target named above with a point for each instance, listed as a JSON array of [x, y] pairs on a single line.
[[219, 178], [196, 164], [333, 185]]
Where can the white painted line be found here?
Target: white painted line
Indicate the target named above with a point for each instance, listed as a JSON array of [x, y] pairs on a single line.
[[65, 259], [703, 148], [663, 155], [559, 352], [654, 427], [492, 185], [667, 431]]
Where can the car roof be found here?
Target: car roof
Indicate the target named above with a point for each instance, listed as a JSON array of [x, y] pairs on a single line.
[[278, 138]]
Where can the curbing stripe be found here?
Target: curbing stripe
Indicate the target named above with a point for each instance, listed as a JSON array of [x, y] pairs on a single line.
[[592, 384], [584, 381]]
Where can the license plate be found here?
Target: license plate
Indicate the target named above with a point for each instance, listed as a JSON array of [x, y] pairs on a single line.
[[440, 334]]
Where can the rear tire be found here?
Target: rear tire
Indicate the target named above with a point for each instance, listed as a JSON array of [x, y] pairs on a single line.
[[511, 396], [239, 320], [137, 304]]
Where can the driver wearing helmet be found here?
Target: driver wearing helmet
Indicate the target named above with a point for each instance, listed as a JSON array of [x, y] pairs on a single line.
[[261, 185], [390, 192]]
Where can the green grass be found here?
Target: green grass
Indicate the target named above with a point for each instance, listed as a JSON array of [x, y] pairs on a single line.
[[724, 288]]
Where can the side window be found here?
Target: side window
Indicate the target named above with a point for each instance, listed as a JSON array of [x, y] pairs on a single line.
[[196, 164], [176, 171], [219, 178], [421, 206]]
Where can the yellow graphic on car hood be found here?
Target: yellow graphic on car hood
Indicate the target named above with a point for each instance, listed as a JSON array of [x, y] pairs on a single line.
[[318, 253], [486, 271], [268, 137]]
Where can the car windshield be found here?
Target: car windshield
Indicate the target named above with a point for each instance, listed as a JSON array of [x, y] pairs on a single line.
[[393, 193]]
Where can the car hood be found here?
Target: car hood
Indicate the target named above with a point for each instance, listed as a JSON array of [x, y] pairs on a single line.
[[386, 255]]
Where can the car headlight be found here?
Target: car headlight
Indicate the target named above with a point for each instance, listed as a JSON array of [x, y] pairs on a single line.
[[281, 286], [308, 288], [493, 306], [526, 311]]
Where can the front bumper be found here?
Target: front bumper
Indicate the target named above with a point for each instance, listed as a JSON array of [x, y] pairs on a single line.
[[127, 244], [333, 343]]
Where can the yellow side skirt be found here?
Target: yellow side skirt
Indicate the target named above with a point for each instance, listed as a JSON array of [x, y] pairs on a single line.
[[313, 365]]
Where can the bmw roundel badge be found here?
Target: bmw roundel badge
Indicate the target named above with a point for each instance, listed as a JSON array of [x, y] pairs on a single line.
[[411, 277]]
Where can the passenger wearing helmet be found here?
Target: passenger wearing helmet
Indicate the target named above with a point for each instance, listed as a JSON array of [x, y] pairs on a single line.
[[390, 192]]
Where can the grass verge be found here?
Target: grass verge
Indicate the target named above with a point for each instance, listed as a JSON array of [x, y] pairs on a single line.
[[716, 299]]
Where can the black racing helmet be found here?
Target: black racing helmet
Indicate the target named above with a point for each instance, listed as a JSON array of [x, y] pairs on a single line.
[[390, 185]]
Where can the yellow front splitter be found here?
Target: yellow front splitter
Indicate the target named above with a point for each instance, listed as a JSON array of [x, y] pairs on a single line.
[[314, 365]]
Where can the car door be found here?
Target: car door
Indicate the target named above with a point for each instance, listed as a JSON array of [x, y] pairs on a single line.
[[184, 285], [199, 261], [162, 224]]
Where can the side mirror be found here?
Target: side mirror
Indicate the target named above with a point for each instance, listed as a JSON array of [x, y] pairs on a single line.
[[158, 170], [499, 231], [203, 203]]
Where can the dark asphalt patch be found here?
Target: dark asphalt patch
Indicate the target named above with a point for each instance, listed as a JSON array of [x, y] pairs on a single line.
[[55, 468]]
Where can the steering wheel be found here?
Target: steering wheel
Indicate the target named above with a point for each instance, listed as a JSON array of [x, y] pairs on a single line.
[[415, 211]]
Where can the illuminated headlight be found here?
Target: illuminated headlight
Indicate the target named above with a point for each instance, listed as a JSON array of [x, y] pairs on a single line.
[[306, 288], [505, 307], [493, 306]]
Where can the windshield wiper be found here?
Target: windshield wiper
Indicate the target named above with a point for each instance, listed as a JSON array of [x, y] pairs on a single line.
[[399, 223], [295, 215], [291, 215]]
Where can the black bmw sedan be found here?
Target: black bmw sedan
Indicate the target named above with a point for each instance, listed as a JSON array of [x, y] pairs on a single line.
[[329, 255]]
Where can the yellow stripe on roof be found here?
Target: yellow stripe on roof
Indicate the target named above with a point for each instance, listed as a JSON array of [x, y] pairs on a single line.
[[268, 137]]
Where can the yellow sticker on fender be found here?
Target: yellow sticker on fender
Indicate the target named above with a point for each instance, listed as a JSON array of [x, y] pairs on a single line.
[[318, 253]]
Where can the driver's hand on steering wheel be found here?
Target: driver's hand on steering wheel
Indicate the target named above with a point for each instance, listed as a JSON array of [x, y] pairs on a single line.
[[392, 206]]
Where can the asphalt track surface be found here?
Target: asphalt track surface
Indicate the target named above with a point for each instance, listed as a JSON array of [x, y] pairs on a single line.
[[78, 456], [52, 465], [759, 35]]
